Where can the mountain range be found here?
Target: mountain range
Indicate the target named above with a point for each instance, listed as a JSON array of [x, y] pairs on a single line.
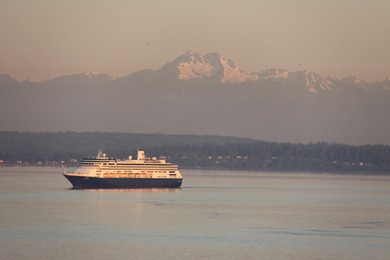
[[203, 94]]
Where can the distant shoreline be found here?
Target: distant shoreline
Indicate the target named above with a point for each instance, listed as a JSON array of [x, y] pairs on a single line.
[[360, 173]]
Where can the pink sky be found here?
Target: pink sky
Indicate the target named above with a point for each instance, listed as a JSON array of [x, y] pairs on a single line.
[[44, 39]]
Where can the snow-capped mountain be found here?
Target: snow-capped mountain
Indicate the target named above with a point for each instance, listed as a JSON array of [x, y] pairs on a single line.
[[386, 84], [312, 81], [209, 69], [7, 80], [203, 94], [273, 74], [212, 66], [353, 80], [82, 79]]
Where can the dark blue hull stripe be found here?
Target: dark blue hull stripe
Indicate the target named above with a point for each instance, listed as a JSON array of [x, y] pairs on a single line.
[[82, 182]]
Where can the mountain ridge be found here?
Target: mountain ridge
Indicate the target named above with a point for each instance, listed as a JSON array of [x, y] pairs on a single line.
[[204, 95], [213, 67]]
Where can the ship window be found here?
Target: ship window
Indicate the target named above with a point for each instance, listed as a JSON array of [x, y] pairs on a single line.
[[171, 171]]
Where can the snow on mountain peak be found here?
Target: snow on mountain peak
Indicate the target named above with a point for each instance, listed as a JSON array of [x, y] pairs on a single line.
[[353, 80], [386, 84], [215, 68], [6, 79], [193, 66], [273, 73], [314, 83], [97, 75], [234, 74]]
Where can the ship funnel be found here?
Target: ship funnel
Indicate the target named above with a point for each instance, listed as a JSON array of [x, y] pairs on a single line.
[[141, 155], [101, 154]]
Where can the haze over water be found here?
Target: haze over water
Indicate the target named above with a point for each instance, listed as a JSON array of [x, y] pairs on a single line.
[[215, 215]]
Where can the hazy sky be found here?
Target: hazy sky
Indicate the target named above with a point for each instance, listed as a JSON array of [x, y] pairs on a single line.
[[43, 39]]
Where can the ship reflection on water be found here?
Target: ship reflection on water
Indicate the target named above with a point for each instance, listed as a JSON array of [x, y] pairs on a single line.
[[130, 190], [233, 215]]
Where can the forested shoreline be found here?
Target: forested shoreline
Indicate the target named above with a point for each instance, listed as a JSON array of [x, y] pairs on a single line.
[[192, 151]]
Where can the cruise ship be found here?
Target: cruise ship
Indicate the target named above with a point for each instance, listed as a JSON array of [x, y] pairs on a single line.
[[103, 172]]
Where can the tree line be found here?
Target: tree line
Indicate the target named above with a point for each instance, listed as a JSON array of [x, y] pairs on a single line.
[[269, 156], [192, 151]]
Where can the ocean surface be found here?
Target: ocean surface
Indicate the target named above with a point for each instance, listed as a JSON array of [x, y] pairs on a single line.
[[215, 215]]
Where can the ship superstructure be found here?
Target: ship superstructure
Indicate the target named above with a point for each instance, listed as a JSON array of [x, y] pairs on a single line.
[[142, 172]]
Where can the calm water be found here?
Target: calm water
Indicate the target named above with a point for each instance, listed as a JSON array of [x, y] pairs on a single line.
[[215, 215]]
